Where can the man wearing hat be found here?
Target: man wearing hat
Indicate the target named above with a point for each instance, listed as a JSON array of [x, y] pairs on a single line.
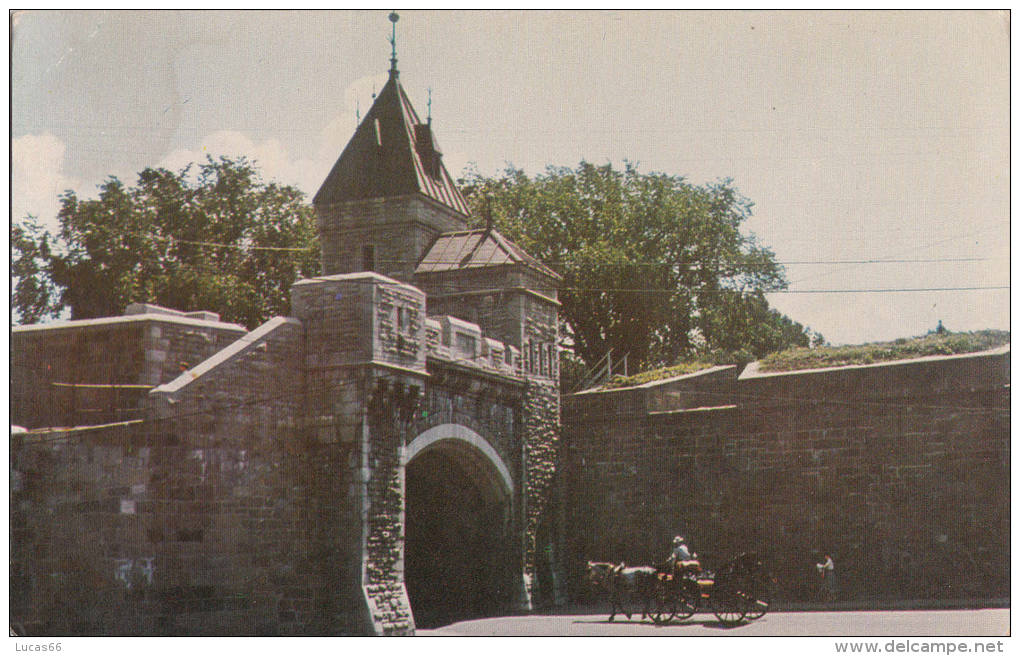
[[680, 550], [681, 556]]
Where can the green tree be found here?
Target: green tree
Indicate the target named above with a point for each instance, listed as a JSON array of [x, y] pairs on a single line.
[[211, 237], [653, 266], [743, 325], [34, 295]]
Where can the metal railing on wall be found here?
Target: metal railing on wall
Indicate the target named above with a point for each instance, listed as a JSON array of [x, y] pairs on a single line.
[[602, 371]]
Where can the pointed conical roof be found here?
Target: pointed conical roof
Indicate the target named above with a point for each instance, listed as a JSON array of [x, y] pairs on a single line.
[[392, 153]]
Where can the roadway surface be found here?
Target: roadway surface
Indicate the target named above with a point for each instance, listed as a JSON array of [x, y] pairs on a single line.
[[983, 622]]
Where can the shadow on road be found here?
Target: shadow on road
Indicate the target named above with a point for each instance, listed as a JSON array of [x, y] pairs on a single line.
[[708, 624]]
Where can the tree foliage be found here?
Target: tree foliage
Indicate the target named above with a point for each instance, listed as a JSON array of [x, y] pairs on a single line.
[[212, 237], [653, 266], [34, 295]]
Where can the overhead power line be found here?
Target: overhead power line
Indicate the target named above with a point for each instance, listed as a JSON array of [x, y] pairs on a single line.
[[237, 246], [881, 290], [793, 291], [453, 289], [552, 262]]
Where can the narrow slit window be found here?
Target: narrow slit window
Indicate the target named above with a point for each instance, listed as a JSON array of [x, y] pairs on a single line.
[[466, 344]]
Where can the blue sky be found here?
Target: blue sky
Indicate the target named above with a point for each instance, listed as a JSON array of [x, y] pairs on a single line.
[[875, 145]]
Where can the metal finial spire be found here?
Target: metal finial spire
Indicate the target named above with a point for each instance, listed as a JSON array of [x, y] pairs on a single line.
[[394, 17], [357, 111], [430, 107]]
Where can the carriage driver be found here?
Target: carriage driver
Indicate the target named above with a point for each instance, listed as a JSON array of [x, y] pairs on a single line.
[[681, 557]]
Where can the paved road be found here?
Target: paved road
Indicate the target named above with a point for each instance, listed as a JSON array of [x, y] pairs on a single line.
[[986, 622]]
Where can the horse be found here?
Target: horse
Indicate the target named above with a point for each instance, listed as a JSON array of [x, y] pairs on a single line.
[[621, 581]]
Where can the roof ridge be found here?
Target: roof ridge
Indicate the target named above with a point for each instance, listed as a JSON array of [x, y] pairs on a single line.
[[452, 233]]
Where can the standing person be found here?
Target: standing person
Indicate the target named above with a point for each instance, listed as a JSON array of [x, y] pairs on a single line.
[[827, 570]]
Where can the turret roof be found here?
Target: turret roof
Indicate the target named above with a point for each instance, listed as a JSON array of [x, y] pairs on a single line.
[[392, 153]]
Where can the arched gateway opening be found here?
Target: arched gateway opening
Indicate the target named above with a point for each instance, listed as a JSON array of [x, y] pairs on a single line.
[[457, 558]]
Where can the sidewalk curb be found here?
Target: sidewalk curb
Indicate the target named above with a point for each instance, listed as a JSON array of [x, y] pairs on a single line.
[[812, 607]]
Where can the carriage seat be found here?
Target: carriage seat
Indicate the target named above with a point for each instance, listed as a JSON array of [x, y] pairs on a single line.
[[688, 566]]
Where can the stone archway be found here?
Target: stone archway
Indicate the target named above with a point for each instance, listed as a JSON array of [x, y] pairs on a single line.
[[457, 557]]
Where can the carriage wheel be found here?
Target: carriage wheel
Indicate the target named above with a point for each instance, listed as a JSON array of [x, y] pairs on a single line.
[[687, 601], [729, 606], [759, 595], [758, 605], [665, 603], [665, 610]]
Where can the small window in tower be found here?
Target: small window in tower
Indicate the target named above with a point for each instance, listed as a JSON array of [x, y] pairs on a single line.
[[368, 257], [404, 319], [378, 133]]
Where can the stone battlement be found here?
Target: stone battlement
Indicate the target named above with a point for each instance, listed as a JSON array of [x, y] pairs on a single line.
[[452, 339]]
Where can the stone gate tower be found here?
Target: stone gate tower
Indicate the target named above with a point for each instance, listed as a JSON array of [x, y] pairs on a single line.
[[379, 461], [432, 352]]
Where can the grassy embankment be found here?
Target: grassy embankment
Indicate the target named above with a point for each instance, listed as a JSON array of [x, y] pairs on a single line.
[[945, 343]]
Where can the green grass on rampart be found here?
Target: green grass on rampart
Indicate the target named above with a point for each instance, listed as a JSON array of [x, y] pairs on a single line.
[[945, 343], [657, 374]]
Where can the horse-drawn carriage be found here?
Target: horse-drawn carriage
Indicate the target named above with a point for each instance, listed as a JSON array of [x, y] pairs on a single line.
[[737, 591]]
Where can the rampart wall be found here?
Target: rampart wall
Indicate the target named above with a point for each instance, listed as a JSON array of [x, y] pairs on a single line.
[[900, 471], [206, 519], [100, 370]]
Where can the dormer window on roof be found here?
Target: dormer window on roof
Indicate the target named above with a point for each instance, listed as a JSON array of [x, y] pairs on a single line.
[[428, 150]]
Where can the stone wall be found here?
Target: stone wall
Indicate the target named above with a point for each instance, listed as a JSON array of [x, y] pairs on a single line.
[[496, 298], [97, 371], [262, 490], [541, 411], [205, 520], [365, 367], [487, 404], [400, 228], [899, 471]]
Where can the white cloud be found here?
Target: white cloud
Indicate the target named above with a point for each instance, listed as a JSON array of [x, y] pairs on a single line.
[[37, 178], [274, 160]]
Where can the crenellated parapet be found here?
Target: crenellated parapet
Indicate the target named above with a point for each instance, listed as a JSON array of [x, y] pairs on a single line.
[[463, 342]]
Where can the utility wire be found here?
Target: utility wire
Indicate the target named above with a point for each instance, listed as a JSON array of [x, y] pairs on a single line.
[[651, 263], [639, 290], [893, 255], [453, 289]]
